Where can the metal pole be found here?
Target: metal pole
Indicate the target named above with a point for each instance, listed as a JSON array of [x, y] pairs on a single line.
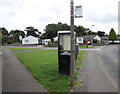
[[72, 59], [91, 29], [91, 34]]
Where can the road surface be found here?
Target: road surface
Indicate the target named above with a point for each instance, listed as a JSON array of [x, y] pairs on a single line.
[[109, 57], [94, 75]]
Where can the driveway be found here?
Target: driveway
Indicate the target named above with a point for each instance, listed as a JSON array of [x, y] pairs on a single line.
[[16, 78]]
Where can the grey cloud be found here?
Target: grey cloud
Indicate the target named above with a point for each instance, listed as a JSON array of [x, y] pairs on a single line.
[[11, 13], [11, 3], [44, 18], [56, 9], [102, 18]]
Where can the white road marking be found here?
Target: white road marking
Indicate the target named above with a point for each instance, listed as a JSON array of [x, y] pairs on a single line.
[[98, 50]]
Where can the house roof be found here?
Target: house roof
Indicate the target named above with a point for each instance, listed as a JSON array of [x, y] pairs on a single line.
[[30, 37], [87, 37], [97, 38]]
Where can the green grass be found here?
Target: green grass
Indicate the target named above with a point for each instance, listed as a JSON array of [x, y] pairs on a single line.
[[79, 63], [44, 67], [86, 47], [23, 49], [79, 60]]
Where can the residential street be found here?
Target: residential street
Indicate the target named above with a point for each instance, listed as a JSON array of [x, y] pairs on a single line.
[[93, 74], [99, 72], [109, 62]]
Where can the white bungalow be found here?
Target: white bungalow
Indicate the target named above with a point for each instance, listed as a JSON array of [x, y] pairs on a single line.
[[45, 41], [30, 40], [79, 40], [55, 38], [97, 38]]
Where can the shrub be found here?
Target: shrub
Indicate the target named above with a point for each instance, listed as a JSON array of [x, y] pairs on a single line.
[[9, 41]]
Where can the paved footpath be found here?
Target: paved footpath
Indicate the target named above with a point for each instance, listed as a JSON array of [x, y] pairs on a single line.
[[16, 78], [92, 76]]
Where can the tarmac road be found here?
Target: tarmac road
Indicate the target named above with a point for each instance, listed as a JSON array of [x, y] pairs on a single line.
[[93, 74], [109, 60]]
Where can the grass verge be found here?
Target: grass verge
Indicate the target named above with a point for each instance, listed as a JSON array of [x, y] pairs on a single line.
[[86, 47], [44, 67], [23, 49]]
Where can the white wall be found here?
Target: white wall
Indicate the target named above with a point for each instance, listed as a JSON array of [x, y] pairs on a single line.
[[79, 40], [45, 41], [30, 40]]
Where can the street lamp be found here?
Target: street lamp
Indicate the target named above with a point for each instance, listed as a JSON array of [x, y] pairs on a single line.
[[91, 33], [91, 29]]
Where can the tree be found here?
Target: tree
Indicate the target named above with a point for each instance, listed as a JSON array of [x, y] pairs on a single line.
[[65, 26], [32, 31], [112, 35], [80, 31], [5, 35], [4, 31], [101, 33], [51, 30], [0, 38], [16, 34]]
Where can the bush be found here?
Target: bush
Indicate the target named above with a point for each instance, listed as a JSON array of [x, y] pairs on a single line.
[[98, 41], [50, 42], [114, 43], [9, 42]]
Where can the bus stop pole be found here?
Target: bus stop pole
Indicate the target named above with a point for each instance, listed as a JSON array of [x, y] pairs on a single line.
[[72, 59]]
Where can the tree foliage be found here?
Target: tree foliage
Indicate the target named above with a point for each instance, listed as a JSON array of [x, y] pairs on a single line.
[[0, 38], [101, 33], [4, 35], [112, 35], [80, 30], [32, 31], [4, 31], [52, 29], [16, 34]]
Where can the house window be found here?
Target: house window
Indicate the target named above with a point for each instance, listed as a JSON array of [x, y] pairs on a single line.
[[26, 41], [80, 39]]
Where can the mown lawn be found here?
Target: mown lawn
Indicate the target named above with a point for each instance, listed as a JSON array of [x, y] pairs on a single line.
[[86, 47], [23, 49], [43, 65]]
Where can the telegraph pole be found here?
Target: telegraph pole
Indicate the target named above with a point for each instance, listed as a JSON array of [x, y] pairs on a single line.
[[72, 59]]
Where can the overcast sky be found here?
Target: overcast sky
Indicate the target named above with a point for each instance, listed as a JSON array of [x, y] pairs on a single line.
[[18, 14]]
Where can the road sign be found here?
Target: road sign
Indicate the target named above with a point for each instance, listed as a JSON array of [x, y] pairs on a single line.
[[78, 11]]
